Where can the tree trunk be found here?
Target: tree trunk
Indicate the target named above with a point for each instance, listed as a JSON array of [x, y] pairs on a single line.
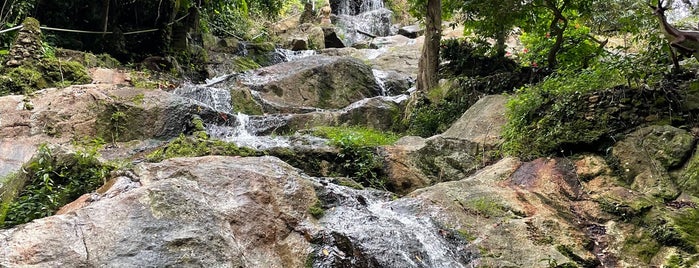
[[429, 60]]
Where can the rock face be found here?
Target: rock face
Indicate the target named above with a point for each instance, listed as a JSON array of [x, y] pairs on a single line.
[[646, 154], [92, 111], [316, 81], [211, 211]]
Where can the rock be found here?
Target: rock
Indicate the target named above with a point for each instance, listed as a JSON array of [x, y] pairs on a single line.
[[316, 38], [212, 211], [472, 142], [315, 81], [482, 123], [402, 175], [393, 83], [646, 154], [27, 47], [15, 152], [364, 25], [517, 213], [411, 31], [377, 113], [298, 43], [687, 178], [331, 38], [99, 110]]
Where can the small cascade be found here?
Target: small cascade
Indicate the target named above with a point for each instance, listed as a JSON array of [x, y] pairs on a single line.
[[216, 98], [355, 7], [362, 224], [380, 80], [290, 55]]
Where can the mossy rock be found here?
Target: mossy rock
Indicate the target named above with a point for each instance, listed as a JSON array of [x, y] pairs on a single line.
[[200, 145], [21, 80], [242, 101], [542, 124], [64, 72], [646, 155], [687, 178]]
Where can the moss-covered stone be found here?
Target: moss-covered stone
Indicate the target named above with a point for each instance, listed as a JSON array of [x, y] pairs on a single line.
[[64, 73], [21, 80], [688, 177], [645, 155], [184, 146], [242, 101]]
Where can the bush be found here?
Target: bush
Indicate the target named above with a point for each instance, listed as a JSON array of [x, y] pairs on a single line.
[[54, 180], [357, 156], [543, 117]]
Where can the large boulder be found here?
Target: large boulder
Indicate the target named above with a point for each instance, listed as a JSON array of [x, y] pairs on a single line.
[[209, 211], [377, 113], [646, 155], [312, 82], [472, 142]]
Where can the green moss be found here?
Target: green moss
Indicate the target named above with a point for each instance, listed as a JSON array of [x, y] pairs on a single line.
[[466, 235], [642, 245], [244, 64], [243, 102], [64, 73], [358, 157], [349, 183], [684, 230], [21, 80], [198, 124], [184, 146], [138, 99], [355, 136], [486, 207], [316, 210], [102, 60]]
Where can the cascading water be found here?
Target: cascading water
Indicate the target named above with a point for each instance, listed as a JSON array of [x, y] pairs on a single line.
[[357, 19], [216, 98], [356, 7], [364, 228]]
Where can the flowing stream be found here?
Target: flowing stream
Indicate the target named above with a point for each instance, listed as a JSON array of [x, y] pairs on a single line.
[[360, 228]]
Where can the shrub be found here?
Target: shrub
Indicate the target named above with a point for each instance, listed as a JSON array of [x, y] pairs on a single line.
[[357, 155], [543, 117], [53, 180]]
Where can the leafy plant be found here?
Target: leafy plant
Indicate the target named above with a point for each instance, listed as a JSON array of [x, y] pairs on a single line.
[[542, 117], [357, 152], [53, 180]]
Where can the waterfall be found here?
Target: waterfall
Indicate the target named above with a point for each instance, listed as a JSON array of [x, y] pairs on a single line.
[[355, 18], [216, 98], [389, 231], [356, 7]]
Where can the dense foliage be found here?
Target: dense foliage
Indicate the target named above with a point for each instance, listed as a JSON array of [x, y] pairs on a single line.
[[358, 155], [53, 180]]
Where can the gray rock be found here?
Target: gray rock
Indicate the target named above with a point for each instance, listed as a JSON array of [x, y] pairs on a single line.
[[472, 142], [312, 82], [411, 31], [210, 211]]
